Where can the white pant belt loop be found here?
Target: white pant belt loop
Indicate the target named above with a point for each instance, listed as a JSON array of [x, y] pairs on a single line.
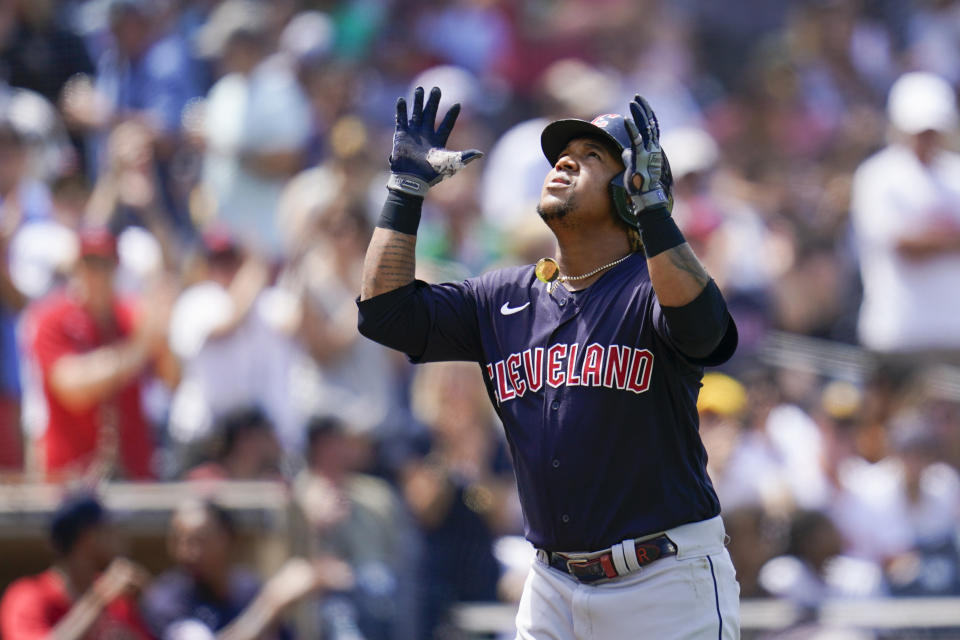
[[619, 559], [630, 551]]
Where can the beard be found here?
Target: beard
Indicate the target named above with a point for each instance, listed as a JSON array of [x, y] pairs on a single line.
[[555, 211]]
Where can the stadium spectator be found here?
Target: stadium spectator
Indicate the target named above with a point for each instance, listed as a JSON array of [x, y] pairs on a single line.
[[147, 75], [460, 489], [20, 200], [814, 568], [234, 354], [88, 593], [257, 123], [359, 518], [209, 592], [206, 584], [327, 232], [92, 351], [38, 52], [906, 215], [248, 449]]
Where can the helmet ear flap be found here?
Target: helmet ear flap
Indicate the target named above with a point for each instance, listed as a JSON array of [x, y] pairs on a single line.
[[622, 203]]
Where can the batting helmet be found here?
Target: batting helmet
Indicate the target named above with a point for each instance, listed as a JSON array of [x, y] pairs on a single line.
[[611, 129]]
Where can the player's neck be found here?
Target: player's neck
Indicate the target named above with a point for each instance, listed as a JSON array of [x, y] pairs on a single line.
[[577, 256]]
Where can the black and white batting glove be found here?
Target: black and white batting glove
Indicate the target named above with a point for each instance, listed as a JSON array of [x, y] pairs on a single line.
[[420, 158], [647, 177]]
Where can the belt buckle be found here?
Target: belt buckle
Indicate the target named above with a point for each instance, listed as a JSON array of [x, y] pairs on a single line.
[[572, 564], [592, 569], [582, 570]]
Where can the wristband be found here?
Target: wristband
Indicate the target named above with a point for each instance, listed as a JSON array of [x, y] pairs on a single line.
[[401, 212], [658, 231]]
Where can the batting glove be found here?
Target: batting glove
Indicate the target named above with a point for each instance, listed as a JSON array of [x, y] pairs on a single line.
[[419, 158], [644, 161]]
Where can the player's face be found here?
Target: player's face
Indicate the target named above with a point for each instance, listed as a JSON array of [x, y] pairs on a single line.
[[575, 190]]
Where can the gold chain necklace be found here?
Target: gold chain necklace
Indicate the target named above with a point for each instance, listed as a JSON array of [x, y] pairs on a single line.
[[548, 271]]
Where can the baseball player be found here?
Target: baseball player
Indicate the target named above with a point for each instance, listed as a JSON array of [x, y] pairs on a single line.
[[593, 360]]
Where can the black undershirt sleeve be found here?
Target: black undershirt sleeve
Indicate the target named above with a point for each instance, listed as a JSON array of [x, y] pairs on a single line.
[[396, 319], [702, 330]]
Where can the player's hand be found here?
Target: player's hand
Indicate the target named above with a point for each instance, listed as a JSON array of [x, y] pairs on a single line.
[[647, 177], [420, 158]]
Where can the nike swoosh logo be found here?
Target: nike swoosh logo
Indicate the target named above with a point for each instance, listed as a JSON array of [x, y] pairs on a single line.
[[507, 310]]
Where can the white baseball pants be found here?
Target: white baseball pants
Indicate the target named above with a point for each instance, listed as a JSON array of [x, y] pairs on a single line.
[[691, 596]]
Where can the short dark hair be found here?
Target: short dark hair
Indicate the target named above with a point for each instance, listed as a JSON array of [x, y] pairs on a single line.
[[217, 513], [240, 422], [320, 427], [76, 514], [221, 516]]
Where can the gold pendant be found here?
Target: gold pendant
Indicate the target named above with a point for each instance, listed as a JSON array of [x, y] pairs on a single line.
[[547, 270]]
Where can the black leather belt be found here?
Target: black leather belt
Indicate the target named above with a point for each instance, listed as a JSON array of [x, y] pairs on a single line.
[[603, 566]]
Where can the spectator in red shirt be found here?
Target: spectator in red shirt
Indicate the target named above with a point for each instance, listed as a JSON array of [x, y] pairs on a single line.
[[91, 351], [87, 593]]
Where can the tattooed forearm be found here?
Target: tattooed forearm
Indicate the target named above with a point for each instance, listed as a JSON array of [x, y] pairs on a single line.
[[677, 275], [683, 258], [390, 262]]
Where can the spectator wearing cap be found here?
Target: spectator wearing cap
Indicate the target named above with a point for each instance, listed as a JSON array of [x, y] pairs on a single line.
[[257, 123], [92, 350], [906, 218], [87, 593]]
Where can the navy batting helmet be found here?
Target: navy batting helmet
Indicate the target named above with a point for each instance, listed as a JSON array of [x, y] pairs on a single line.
[[611, 129]]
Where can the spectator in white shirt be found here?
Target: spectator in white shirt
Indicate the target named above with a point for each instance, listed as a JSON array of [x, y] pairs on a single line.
[[256, 124], [906, 218]]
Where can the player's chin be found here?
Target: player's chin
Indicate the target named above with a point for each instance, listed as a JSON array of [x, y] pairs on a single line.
[[551, 207]]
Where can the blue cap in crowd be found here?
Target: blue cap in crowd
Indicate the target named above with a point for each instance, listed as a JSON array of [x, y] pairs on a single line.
[[76, 514]]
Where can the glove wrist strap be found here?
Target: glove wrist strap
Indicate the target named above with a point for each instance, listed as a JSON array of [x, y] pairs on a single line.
[[408, 183], [650, 199]]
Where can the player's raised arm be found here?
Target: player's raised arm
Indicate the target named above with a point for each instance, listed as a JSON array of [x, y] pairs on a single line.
[[693, 307], [675, 272], [419, 160]]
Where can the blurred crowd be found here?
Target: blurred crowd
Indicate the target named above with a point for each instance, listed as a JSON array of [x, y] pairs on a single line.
[[187, 188]]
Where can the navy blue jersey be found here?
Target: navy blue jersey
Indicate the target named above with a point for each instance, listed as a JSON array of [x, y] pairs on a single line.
[[598, 405]]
